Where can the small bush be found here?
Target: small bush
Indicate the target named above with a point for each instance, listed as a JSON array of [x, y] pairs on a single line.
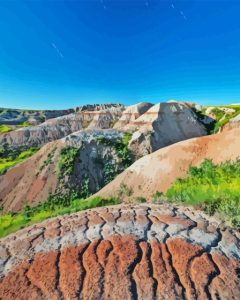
[[124, 190], [156, 197], [141, 200]]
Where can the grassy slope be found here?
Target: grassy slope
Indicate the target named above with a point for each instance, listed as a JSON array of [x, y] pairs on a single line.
[[5, 128], [215, 188], [10, 223], [6, 163]]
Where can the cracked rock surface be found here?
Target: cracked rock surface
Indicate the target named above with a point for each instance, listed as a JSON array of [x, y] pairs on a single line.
[[122, 252]]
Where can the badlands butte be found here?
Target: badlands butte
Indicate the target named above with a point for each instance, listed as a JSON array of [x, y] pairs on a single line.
[[156, 242]]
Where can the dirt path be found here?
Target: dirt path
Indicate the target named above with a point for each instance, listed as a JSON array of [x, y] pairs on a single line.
[[122, 252]]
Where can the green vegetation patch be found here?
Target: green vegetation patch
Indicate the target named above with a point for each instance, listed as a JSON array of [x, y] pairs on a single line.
[[121, 147], [48, 160], [221, 117], [5, 128], [12, 222], [66, 161], [12, 160], [215, 188], [219, 114], [110, 170], [24, 124], [140, 199]]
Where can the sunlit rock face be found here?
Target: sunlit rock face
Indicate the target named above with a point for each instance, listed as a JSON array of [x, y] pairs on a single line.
[[162, 125]]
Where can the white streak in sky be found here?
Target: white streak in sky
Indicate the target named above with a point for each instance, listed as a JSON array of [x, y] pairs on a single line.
[[172, 6], [182, 14], [57, 50]]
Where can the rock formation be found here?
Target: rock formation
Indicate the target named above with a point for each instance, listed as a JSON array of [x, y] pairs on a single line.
[[33, 117], [122, 252], [60, 127], [233, 123], [162, 125], [132, 113], [33, 180], [157, 171]]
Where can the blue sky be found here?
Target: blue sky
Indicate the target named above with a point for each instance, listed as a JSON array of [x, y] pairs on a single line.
[[60, 54]]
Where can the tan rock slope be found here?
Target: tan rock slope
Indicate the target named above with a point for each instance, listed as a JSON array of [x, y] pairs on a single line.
[[162, 125], [132, 113], [233, 123], [157, 171], [123, 252]]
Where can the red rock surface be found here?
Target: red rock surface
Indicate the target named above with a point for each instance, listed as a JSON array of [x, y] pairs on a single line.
[[122, 252]]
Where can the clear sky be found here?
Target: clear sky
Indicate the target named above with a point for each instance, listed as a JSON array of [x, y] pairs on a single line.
[[60, 54]]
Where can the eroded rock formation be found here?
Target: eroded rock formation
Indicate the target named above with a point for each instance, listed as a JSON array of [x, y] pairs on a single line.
[[33, 180], [162, 125], [60, 127], [157, 171], [122, 252]]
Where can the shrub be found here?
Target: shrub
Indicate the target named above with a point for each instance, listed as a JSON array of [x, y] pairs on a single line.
[[156, 197], [141, 199], [120, 146], [85, 191], [124, 190], [109, 172], [66, 161]]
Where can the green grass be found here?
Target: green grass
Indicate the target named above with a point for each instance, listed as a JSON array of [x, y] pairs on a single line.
[[7, 162], [10, 223], [5, 128], [214, 188]]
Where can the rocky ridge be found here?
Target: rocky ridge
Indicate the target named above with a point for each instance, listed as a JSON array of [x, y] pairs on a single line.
[[11, 116], [60, 127]]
